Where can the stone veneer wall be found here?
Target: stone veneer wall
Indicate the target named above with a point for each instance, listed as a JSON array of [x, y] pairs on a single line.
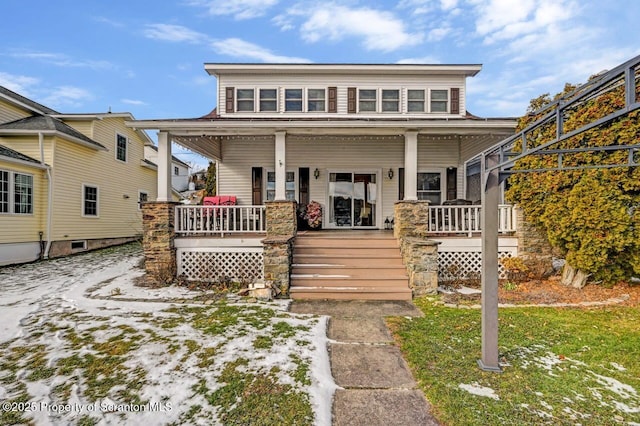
[[282, 222], [419, 254], [157, 242], [532, 243]]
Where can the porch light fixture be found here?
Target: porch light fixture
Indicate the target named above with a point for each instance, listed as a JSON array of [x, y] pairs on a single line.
[[316, 173], [390, 173]]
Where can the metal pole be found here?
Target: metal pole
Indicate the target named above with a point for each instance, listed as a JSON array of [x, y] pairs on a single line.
[[490, 199]]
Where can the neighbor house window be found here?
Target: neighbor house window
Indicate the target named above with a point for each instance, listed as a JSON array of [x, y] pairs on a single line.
[[176, 171], [315, 100], [390, 100], [16, 193], [245, 100], [121, 148], [89, 200], [415, 100], [4, 191], [268, 100], [143, 197], [293, 100], [430, 187], [439, 100], [290, 186], [367, 100]]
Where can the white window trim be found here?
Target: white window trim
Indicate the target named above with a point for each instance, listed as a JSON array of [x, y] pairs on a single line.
[[405, 104], [448, 109], [443, 181], [237, 99], [126, 148], [302, 99], [265, 182], [381, 101], [377, 100], [140, 192], [12, 193], [97, 215], [256, 93], [306, 100]]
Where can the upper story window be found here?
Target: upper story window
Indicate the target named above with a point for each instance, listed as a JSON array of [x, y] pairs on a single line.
[[439, 100], [121, 148], [367, 100], [415, 101], [390, 100], [16, 193], [268, 100], [245, 100], [293, 100], [316, 100]]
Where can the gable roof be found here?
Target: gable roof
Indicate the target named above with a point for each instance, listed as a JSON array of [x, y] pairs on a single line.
[[48, 125], [18, 157], [27, 103]]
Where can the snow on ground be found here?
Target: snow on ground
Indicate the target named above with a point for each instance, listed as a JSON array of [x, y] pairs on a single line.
[[79, 340], [476, 389]]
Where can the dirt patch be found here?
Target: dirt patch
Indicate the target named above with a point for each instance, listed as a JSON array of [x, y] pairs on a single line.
[[551, 291]]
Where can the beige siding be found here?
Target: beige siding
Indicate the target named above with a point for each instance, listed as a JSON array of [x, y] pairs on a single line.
[[83, 126], [74, 165], [274, 81], [9, 112], [20, 228], [30, 146]]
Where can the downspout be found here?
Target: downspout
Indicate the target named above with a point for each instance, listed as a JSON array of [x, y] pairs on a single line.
[[49, 194]]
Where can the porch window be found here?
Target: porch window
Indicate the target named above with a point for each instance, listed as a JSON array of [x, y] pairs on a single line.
[[245, 100], [390, 100], [290, 186], [268, 100], [415, 100], [367, 100], [430, 187], [90, 200], [293, 100], [315, 100], [121, 148], [439, 100], [16, 193]]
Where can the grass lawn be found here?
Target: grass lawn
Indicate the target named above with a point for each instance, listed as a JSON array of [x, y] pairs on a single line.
[[564, 366]]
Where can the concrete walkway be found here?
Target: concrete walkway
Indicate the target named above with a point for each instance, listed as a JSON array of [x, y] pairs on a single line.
[[376, 385]]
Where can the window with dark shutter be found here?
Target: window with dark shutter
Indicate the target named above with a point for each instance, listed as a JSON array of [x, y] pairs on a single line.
[[256, 186], [230, 102], [351, 100], [333, 99], [455, 100]]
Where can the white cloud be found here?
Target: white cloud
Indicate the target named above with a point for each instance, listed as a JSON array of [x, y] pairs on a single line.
[[438, 34], [380, 30], [240, 9], [174, 33], [67, 96], [62, 60], [20, 84], [420, 60], [132, 102], [243, 49]]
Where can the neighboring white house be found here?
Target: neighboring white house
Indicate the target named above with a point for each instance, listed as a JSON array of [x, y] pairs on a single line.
[[179, 169]]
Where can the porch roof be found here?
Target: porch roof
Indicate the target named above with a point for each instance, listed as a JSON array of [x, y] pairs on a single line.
[[204, 135]]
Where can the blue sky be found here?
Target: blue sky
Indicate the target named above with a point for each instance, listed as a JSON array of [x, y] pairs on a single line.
[[146, 57]]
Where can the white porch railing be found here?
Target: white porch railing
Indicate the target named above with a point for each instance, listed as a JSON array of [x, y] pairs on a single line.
[[208, 220], [466, 219]]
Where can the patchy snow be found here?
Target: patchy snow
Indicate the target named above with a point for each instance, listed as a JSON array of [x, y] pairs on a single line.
[[476, 389], [93, 296]]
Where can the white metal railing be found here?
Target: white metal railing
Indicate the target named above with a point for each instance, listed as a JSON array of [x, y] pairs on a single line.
[[466, 219], [191, 220]]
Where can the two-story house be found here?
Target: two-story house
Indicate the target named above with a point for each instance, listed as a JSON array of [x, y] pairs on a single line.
[[68, 182], [356, 138]]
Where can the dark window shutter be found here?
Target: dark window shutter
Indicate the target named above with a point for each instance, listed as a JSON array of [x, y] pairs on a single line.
[[303, 186], [333, 99], [230, 99], [401, 184], [452, 183], [256, 186], [455, 100], [351, 100]]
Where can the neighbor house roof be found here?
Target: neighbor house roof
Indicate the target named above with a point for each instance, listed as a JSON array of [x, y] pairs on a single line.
[[173, 157], [18, 157], [48, 125], [25, 102]]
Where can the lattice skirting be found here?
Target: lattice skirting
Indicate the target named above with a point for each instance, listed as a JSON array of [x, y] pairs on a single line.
[[454, 265], [221, 264]]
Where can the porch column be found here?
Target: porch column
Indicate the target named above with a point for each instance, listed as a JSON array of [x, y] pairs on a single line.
[[411, 165], [164, 166], [281, 167]]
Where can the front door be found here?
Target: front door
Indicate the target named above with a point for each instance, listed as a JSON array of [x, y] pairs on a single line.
[[353, 200]]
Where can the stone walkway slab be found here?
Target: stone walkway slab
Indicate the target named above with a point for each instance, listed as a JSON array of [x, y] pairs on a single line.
[[369, 367], [356, 308], [360, 330], [381, 408]]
